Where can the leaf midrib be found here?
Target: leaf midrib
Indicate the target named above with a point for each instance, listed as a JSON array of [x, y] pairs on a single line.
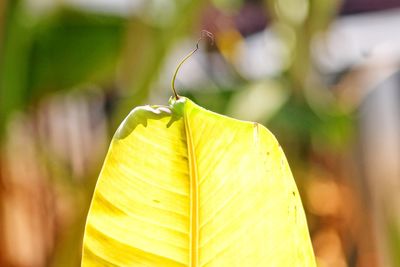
[[194, 197]]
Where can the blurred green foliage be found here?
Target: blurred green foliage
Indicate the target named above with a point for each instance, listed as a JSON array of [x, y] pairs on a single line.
[[66, 47], [57, 51]]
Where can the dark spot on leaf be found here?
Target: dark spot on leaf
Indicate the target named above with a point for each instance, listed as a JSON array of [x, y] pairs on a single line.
[[156, 200]]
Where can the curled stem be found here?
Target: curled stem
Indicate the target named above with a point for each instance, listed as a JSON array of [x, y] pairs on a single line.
[[204, 34]]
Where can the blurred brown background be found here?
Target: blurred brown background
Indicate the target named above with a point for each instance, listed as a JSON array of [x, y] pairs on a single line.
[[323, 75]]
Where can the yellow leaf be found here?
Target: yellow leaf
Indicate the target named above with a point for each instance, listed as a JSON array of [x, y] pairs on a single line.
[[183, 186]]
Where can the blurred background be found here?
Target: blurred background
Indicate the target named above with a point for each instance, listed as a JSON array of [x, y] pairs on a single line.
[[322, 75]]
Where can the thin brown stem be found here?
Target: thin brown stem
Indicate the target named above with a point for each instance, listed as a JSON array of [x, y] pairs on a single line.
[[204, 34]]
